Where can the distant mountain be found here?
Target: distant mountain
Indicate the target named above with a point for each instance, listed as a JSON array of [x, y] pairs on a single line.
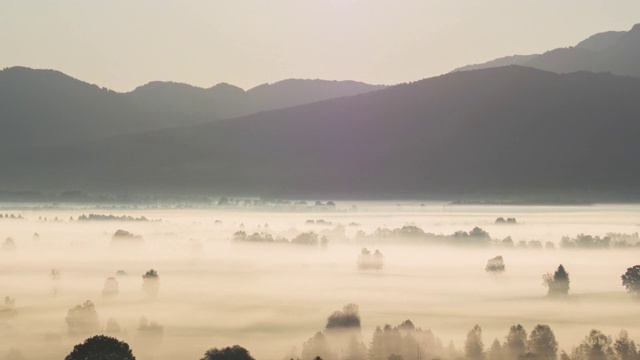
[[226, 101], [614, 52], [504, 130], [49, 108]]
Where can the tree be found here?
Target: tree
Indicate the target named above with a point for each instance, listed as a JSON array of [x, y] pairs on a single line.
[[151, 283], [542, 342], [495, 264], [631, 280], [515, 344], [625, 347], [495, 353], [473, 346], [348, 318], [356, 350], [111, 287], [317, 346], [101, 348], [558, 283], [234, 352], [595, 346], [82, 320]]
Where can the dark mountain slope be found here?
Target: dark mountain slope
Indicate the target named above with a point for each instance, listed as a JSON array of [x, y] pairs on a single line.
[[503, 130]]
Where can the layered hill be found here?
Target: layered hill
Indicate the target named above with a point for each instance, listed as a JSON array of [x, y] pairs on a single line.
[[504, 130], [617, 52], [49, 108]]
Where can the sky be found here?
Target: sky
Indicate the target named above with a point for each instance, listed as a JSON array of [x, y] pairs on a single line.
[[122, 44]]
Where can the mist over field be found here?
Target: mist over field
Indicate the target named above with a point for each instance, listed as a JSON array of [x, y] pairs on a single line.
[[271, 297]]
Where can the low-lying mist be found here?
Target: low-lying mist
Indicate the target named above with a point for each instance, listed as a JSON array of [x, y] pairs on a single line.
[[214, 289]]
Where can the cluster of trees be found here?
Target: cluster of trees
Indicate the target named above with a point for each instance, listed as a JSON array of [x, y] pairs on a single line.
[[100, 217], [495, 265], [502, 221], [263, 202], [615, 240], [103, 347], [11, 216], [318, 222], [368, 260], [305, 238], [476, 236], [126, 239], [541, 344]]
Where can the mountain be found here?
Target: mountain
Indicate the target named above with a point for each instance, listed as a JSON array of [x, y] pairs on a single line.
[[226, 101], [503, 130], [49, 108], [613, 51]]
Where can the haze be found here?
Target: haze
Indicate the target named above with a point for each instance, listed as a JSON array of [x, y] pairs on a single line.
[[123, 44], [272, 297]]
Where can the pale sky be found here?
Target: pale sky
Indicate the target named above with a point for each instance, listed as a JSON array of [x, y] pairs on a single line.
[[121, 44]]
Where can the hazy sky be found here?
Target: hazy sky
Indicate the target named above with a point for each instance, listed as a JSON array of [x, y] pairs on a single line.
[[121, 44]]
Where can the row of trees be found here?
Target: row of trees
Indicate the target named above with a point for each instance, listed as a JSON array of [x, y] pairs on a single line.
[[541, 344], [103, 347]]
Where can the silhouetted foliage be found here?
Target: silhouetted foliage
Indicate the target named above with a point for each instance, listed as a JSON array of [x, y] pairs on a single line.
[[111, 287], [558, 283], [101, 348], [7, 310], [151, 283], [625, 347], [368, 260], [495, 352], [149, 333], [495, 265], [235, 352], [82, 320], [595, 346], [631, 280], [317, 346], [348, 318], [515, 344], [473, 346], [542, 342]]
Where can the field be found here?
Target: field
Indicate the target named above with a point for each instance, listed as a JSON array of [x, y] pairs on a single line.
[[272, 297]]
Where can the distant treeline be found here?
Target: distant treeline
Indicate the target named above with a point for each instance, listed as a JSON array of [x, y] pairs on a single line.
[[100, 217], [305, 238], [480, 237]]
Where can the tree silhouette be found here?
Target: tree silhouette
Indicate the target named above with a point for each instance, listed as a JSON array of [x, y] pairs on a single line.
[[101, 348], [317, 346], [82, 320], [151, 283], [235, 352], [542, 342], [558, 283], [515, 344], [595, 346], [625, 347], [348, 318], [473, 346], [631, 280], [495, 352]]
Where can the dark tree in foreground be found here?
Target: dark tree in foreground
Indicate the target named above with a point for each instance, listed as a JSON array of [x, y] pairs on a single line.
[[631, 280], [473, 346], [235, 352], [101, 348], [558, 283], [543, 343]]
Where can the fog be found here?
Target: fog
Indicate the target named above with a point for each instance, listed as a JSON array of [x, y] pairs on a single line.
[[272, 297]]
